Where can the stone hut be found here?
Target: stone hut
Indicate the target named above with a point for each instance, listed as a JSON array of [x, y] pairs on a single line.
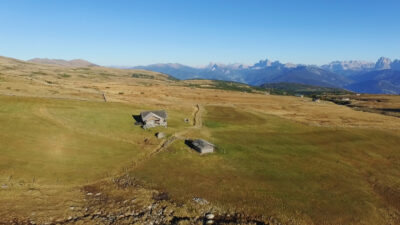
[[154, 118], [202, 146]]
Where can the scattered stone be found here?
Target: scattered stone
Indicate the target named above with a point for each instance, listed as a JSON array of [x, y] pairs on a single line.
[[210, 216], [160, 135], [98, 194], [4, 186], [71, 208], [89, 193], [69, 218], [200, 201], [210, 222]]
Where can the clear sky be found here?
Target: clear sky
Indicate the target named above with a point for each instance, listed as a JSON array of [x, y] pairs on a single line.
[[117, 32]]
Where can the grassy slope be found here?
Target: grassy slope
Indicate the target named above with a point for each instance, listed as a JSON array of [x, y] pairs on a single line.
[[265, 164], [54, 146], [308, 90], [273, 166]]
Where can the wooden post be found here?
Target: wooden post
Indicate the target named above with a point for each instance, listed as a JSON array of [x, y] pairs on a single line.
[[104, 97]]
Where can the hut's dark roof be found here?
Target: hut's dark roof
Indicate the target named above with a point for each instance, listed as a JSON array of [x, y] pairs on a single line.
[[160, 113], [200, 143]]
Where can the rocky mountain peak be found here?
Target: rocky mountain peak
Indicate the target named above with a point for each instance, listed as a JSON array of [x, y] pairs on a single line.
[[383, 63], [266, 63], [395, 65]]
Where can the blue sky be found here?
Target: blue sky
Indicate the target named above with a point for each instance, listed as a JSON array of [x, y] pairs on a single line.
[[198, 32]]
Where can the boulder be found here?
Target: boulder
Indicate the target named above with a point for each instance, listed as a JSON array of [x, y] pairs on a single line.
[[160, 135]]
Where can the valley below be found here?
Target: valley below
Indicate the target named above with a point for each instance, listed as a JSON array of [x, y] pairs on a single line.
[[72, 154]]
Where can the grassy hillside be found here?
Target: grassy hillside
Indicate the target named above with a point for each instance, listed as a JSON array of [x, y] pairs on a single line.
[[53, 145], [223, 85], [268, 165], [307, 90], [382, 104], [68, 132]]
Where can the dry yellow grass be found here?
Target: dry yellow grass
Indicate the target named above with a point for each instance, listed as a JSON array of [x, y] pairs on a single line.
[[68, 105]]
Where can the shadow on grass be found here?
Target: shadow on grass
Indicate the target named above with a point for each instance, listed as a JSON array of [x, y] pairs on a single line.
[[138, 120]]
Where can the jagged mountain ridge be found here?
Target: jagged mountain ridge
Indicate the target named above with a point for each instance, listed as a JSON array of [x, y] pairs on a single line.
[[377, 82], [336, 74]]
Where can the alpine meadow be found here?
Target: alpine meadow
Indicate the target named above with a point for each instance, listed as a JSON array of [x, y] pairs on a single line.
[[100, 124]]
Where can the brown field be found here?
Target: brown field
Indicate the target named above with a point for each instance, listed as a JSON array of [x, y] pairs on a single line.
[[280, 159], [383, 104]]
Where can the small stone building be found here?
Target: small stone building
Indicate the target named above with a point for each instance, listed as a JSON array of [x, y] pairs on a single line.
[[315, 99], [201, 146], [154, 118]]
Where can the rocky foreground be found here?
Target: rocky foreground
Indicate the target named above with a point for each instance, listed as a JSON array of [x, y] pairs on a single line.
[[123, 200]]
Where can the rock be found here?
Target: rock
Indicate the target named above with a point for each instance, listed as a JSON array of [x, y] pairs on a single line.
[[71, 208], [160, 135], [210, 216], [69, 218], [98, 194], [4, 186], [200, 201], [89, 193], [210, 222]]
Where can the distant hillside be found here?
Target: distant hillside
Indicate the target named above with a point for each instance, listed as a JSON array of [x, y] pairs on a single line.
[[338, 74], [377, 82], [179, 71], [222, 85], [312, 76], [264, 71], [61, 62], [285, 88]]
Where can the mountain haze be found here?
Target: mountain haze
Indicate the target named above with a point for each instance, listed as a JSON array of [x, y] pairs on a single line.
[[264, 71], [61, 62]]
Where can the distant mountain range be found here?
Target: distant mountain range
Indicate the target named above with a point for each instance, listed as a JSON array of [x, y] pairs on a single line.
[[367, 77], [61, 62]]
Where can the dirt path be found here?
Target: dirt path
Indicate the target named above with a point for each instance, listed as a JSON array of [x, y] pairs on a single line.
[[197, 119], [197, 123]]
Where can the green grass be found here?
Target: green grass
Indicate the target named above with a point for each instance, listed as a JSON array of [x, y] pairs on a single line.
[[149, 76], [70, 142], [272, 166], [228, 86], [51, 148], [285, 88]]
